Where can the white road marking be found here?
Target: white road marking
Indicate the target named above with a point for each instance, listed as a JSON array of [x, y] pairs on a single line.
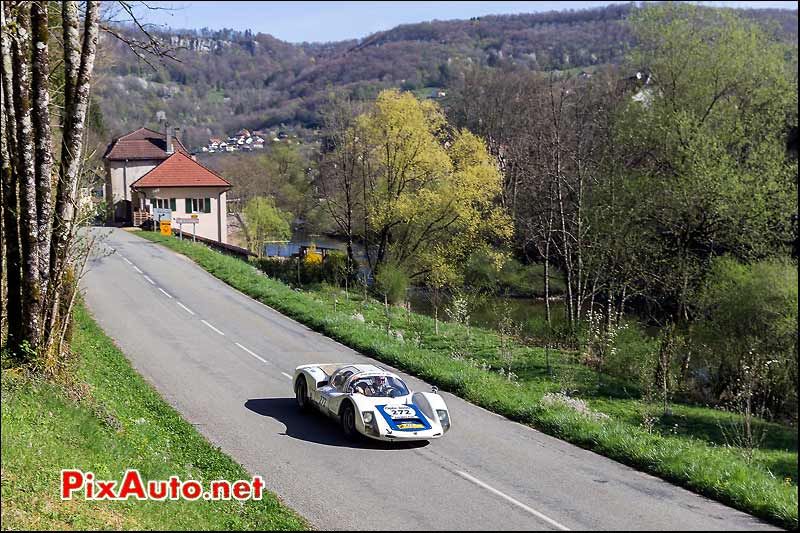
[[137, 269], [187, 309], [126, 259], [512, 500], [251, 353], [148, 279], [287, 375], [212, 327], [168, 295]]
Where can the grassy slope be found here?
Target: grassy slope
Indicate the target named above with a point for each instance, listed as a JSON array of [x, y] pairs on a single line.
[[692, 454], [110, 420]]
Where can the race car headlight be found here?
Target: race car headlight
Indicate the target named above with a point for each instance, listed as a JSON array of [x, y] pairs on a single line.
[[370, 424], [444, 418]]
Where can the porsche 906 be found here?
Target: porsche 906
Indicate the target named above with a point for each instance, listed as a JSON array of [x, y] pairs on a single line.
[[371, 401]]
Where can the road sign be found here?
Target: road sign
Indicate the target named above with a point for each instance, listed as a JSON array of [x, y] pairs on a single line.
[[193, 221], [160, 213], [166, 227]]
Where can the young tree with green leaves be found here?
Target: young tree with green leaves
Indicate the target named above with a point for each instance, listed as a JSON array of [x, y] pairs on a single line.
[[706, 158], [430, 192], [265, 223]]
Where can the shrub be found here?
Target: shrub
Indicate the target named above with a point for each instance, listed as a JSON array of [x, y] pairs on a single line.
[[334, 268], [391, 281], [287, 270], [748, 322], [514, 278], [632, 349]]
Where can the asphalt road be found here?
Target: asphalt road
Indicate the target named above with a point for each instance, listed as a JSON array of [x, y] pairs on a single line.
[[224, 361]]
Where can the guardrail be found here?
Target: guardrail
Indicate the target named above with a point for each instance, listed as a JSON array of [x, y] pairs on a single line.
[[230, 249]]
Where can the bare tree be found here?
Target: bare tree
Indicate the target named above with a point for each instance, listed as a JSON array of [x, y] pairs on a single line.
[[341, 169]]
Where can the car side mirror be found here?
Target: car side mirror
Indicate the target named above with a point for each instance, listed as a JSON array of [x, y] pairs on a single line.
[[435, 389]]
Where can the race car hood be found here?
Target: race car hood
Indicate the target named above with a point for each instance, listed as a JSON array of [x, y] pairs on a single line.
[[399, 414], [405, 417]]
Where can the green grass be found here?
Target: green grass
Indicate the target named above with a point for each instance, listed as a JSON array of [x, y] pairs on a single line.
[[692, 454], [107, 420]]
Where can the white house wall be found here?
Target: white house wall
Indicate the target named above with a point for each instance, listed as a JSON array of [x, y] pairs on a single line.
[[207, 222], [121, 175]]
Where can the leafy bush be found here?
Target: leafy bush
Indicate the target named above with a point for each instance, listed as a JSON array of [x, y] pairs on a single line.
[[335, 268], [391, 281], [558, 333], [749, 322], [332, 269], [513, 278], [289, 271], [632, 348]]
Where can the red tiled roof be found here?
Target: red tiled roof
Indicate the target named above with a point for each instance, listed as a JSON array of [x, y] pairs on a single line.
[[141, 144], [180, 170]]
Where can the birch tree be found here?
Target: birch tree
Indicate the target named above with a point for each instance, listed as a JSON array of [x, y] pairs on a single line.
[[36, 238], [12, 272]]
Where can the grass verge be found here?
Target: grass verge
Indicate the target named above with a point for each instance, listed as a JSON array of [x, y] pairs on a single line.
[[687, 448], [107, 420]]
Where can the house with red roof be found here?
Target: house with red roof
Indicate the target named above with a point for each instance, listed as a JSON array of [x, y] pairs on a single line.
[[146, 169]]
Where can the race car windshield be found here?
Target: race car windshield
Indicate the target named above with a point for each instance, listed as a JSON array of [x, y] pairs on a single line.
[[383, 386]]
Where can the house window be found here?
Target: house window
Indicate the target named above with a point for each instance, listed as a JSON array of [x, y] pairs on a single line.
[[198, 205], [164, 203]]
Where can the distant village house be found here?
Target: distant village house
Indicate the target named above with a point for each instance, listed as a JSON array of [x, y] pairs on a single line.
[[146, 169]]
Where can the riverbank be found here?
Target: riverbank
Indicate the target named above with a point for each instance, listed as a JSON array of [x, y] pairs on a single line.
[[107, 419], [687, 448]]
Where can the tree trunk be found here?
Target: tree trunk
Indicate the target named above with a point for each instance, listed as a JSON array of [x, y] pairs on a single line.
[[11, 244], [548, 241], [567, 258], [79, 64], [41, 127], [28, 217]]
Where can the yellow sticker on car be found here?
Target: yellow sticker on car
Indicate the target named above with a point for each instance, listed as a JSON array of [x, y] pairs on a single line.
[[410, 426]]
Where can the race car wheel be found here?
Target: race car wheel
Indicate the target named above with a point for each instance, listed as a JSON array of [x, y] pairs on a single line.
[[349, 420], [301, 394]]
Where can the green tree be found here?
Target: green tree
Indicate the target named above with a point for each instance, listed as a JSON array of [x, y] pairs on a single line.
[[747, 335], [265, 223], [430, 192], [705, 141], [391, 282]]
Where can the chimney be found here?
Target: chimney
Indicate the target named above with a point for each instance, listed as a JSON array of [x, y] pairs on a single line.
[[178, 134], [168, 134]]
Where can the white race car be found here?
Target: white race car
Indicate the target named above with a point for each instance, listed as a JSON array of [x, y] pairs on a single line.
[[369, 400]]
